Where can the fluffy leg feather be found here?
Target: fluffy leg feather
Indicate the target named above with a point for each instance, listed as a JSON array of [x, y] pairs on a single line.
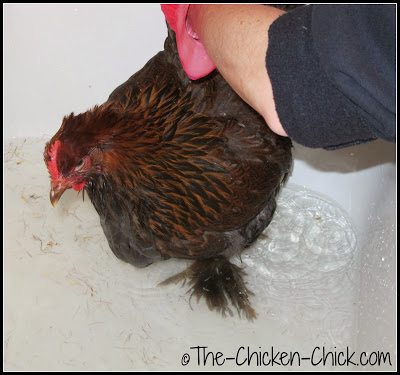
[[218, 281]]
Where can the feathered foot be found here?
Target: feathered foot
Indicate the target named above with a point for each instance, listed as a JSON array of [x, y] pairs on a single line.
[[218, 281]]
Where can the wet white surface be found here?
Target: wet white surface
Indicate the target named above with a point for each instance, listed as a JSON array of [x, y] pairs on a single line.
[[70, 304]]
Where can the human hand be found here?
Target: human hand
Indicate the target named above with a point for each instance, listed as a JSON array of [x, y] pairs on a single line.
[[194, 59]]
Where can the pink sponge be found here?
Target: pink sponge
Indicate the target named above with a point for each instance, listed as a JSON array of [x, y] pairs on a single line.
[[195, 61]]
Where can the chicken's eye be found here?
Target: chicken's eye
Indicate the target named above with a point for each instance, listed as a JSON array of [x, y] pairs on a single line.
[[79, 166]]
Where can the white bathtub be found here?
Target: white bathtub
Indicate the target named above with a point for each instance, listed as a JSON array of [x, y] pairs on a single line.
[[63, 58], [362, 179]]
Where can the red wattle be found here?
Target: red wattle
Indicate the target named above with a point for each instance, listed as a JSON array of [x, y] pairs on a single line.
[[79, 187]]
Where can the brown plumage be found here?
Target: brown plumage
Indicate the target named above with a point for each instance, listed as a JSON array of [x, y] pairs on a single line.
[[175, 168]]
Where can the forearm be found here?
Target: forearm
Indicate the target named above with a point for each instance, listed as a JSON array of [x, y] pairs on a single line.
[[236, 39]]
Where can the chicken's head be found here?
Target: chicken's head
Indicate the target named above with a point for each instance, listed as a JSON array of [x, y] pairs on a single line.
[[67, 169]]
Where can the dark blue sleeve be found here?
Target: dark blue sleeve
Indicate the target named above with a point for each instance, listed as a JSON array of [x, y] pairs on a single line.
[[333, 73]]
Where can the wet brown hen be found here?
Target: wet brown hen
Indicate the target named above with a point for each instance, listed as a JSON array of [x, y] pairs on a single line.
[[175, 168]]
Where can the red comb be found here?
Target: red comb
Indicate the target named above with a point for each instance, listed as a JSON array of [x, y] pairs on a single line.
[[52, 165]]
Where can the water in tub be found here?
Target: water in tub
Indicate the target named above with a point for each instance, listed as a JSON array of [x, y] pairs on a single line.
[[72, 305]]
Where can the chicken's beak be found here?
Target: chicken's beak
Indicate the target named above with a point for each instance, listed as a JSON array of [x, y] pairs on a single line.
[[56, 191]]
